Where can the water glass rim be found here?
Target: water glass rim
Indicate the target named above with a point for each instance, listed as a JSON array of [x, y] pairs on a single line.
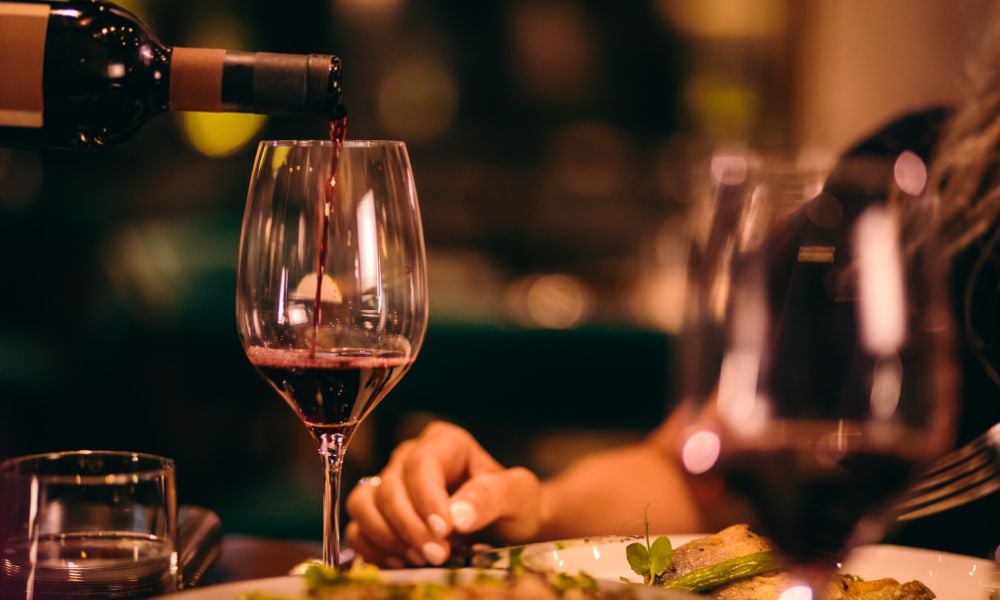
[[148, 466], [328, 144]]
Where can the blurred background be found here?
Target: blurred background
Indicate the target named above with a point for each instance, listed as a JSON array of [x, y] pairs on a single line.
[[552, 143]]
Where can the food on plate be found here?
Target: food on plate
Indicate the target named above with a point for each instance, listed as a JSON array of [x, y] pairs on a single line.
[[365, 582], [738, 564], [844, 587], [733, 564]]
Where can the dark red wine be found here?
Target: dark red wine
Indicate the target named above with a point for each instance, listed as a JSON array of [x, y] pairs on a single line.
[[338, 133], [331, 389], [88, 73], [810, 505]]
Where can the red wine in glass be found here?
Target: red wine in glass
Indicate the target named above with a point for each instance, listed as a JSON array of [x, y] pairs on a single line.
[[330, 390], [810, 499]]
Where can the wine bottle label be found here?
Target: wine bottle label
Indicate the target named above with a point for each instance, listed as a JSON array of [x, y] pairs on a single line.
[[22, 58]]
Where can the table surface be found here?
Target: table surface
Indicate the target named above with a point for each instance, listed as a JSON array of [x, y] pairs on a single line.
[[247, 557]]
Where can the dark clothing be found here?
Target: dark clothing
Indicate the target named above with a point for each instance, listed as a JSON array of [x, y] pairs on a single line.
[[975, 301]]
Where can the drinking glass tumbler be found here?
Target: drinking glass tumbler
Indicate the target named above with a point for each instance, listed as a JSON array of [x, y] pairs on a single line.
[[87, 524]]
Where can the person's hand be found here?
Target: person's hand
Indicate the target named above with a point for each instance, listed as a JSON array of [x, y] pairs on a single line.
[[406, 513]]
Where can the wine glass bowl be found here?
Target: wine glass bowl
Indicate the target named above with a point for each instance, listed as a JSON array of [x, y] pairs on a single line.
[[331, 286], [819, 336]]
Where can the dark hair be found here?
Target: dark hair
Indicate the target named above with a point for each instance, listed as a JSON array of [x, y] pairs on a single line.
[[966, 171]]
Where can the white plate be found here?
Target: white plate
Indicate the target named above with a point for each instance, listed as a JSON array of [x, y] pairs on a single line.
[[600, 557], [294, 587], [950, 576], [290, 586]]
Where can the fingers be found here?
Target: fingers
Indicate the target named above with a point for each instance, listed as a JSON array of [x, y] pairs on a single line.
[[378, 533], [410, 514], [392, 500], [447, 455], [368, 549], [389, 526], [386, 515], [510, 500]]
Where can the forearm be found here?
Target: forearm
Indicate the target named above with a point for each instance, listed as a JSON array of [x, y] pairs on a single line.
[[612, 492]]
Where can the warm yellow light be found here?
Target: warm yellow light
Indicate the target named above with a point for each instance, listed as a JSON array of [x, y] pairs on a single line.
[[721, 105], [278, 158], [306, 290], [220, 30], [725, 18], [418, 100], [136, 7], [220, 134], [551, 301], [368, 9]]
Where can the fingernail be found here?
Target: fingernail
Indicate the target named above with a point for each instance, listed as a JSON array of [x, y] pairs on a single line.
[[394, 563], [438, 525], [435, 553], [463, 514], [415, 558]]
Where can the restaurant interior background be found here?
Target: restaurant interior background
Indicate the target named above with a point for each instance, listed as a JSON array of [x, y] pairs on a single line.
[[551, 141]]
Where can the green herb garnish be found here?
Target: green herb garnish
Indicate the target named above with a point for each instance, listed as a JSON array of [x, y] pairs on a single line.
[[651, 560]]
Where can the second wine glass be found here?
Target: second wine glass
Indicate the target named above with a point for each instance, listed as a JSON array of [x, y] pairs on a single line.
[[819, 363], [331, 287]]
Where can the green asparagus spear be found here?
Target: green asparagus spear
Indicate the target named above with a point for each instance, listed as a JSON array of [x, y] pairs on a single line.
[[724, 572]]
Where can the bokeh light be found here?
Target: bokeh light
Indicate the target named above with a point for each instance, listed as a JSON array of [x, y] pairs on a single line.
[[216, 30], [729, 169], [553, 52], [220, 134], [721, 105], [725, 18], [700, 451], [910, 173], [589, 159], [136, 7], [887, 383], [550, 301], [881, 295], [739, 404], [306, 289], [659, 298], [418, 100], [20, 178], [796, 592], [368, 12]]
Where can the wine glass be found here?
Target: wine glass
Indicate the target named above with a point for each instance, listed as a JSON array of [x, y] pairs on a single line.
[[818, 355], [331, 300]]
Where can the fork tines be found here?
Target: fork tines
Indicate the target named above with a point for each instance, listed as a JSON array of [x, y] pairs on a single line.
[[962, 476]]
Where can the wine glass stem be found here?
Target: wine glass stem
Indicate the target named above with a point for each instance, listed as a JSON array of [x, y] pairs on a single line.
[[332, 448]]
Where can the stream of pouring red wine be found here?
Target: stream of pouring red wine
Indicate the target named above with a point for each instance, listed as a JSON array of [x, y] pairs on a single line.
[[338, 132]]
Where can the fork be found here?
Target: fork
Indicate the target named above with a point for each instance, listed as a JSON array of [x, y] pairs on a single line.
[[959, 477]]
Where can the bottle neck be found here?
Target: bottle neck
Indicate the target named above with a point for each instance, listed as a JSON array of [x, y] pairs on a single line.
[[205, 79]]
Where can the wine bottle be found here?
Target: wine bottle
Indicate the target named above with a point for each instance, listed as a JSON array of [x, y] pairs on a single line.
[[88, 73]]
